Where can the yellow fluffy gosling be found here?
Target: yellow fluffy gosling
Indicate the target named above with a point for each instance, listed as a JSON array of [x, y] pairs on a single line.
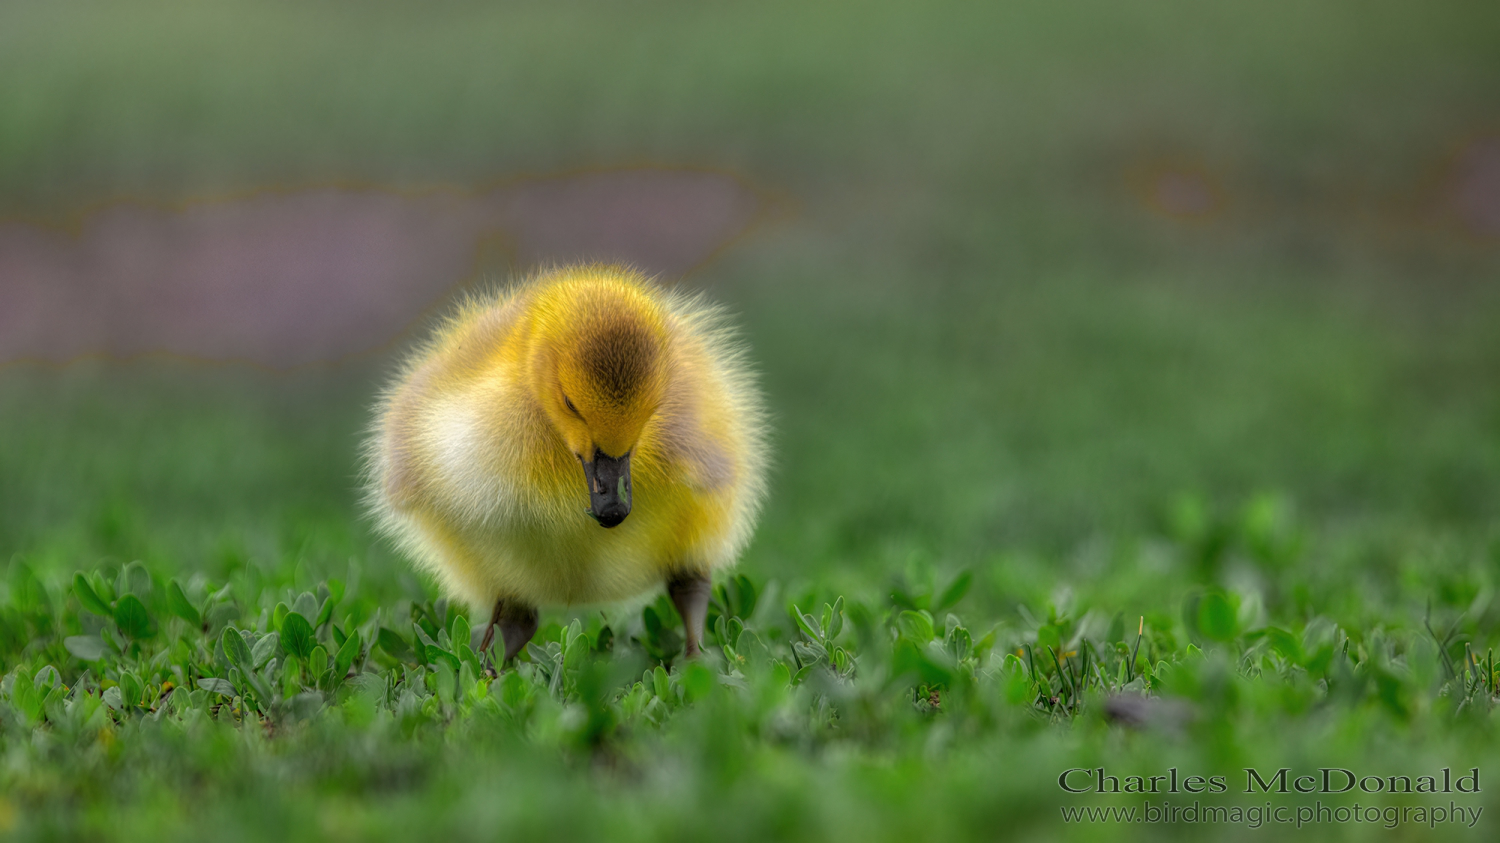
[[579, 439]]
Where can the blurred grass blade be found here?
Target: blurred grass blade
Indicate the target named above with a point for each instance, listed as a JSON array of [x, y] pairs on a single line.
[[88, 599], [133, 619], [86, 647], [297, 635], [179, 605]]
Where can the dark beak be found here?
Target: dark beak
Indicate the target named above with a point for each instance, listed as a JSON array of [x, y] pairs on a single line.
[[609, 487]]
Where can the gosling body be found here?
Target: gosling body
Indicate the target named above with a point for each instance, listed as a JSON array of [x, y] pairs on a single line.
[[582, 438]]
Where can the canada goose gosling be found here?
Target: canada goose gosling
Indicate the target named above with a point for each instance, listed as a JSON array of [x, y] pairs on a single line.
[[581, 438]]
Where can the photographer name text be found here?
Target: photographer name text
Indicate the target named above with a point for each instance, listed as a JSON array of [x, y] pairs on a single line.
[[1283, 780]]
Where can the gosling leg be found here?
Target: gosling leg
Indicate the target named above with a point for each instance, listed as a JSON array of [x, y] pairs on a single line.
[[517, 623], [689, 593], [489, 628]]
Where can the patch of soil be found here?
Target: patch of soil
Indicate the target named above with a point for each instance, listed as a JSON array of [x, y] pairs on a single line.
[[1475, 188], [1183, 194], [290, 278]]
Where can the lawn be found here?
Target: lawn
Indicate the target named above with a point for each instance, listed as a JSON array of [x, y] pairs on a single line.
[[1133, 373]]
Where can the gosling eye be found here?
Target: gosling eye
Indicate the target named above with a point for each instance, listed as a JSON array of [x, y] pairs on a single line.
[[574, 410]]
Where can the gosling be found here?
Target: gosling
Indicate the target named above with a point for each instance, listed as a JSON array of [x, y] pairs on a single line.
[[579, 439]]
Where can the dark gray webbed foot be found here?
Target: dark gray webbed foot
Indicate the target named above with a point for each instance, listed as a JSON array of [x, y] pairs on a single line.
[[517, 623]]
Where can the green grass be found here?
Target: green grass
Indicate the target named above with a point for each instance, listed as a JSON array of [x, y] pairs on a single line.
[[138, 705], [1265, 439]]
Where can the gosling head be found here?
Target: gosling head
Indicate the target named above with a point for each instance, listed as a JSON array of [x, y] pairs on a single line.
[[599, 371]]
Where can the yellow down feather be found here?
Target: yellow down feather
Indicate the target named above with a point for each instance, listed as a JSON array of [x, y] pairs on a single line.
[[474, 460]]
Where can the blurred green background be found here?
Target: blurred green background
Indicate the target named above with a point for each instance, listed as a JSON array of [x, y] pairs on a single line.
[[1043, 291], [969, 275]]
